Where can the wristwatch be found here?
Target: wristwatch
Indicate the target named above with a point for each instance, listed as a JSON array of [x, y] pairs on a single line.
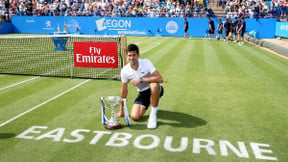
[[141, 80]]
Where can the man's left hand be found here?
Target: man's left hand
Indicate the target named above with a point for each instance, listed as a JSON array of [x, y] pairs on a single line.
[[135, 81]]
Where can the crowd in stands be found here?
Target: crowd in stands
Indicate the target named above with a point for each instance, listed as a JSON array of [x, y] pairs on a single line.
[[255, 8], [110, 8], [141, 8]]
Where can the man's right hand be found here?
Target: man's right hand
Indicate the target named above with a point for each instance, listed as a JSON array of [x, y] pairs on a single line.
[[120, 114]]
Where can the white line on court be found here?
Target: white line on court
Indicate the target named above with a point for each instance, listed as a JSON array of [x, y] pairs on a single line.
[[153, 46], [24, 81], [13, 85], [43, 103]]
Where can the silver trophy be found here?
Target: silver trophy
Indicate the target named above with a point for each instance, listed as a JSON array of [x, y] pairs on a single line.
[[111, 102]]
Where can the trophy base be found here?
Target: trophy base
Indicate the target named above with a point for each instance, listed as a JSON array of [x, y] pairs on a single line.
[[110, 127]]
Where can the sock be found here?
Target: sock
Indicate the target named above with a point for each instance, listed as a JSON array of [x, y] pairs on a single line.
[[154, 111]]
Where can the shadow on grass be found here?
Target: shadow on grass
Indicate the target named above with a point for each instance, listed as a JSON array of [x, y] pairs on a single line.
[[170, 118], [6, 135]]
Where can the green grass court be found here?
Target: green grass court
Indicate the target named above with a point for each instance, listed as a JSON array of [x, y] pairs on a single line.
[[222, 102]]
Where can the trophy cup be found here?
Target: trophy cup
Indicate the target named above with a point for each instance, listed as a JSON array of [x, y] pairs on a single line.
[[111, 102]]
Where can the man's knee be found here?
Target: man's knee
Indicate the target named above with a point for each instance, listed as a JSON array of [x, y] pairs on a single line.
[[137, 112], [155, 87], [135, 117]]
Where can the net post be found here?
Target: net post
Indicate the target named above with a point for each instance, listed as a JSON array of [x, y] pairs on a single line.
[[123, 49], [71, 64]]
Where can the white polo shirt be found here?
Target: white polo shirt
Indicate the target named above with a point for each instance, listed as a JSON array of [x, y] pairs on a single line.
[[145, 69]]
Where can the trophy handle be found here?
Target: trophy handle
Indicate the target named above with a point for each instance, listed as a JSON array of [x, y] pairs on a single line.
[[104, 118], [126, 113]]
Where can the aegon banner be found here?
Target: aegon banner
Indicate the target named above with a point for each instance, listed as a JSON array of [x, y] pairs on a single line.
[[130, 26], [99, 55], [101, 25]]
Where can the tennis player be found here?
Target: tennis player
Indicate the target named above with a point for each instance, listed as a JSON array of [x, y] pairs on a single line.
[[142, 74]]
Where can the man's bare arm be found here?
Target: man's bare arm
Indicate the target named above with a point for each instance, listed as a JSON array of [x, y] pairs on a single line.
[[155, 78], [123, 94]]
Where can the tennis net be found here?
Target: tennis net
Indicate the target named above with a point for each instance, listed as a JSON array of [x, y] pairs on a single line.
[[55, 55]]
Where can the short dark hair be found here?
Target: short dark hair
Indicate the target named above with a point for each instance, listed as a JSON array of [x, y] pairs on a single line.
[[132, 47]]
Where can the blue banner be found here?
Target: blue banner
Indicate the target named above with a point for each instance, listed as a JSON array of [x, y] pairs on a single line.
[[168, 27], [100, 25], [282, 29], [6, 28], [265, 28]]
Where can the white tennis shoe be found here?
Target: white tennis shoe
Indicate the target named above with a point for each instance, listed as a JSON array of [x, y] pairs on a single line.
[[152, 122]]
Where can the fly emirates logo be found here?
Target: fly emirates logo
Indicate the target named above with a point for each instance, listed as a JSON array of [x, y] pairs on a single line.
[[97, 55]]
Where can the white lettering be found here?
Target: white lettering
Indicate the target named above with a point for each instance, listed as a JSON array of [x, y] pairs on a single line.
[[114, 23], [242, 152], [95, 59], [86, 59], [117, 141], [56, 134], [119, 24], [258, 151], [108, 22], [76, 133], [78, 57], [182, 147], [155, 141], [102, 59], [99, 134], [31, 130], [149, 141], [128, 23], [209, 146], [110, 60], [95, 50]]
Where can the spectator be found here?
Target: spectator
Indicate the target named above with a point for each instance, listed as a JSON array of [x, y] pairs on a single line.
[[210, 13], [211, 28], [186, 27], [241, 31], [234, 28], [197, 11], [227, 27], [283, 8], [220, 28]]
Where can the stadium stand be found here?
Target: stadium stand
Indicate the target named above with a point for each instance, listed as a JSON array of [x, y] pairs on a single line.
[[145, 8], [257, 8], [109, 8], [250, 8]]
